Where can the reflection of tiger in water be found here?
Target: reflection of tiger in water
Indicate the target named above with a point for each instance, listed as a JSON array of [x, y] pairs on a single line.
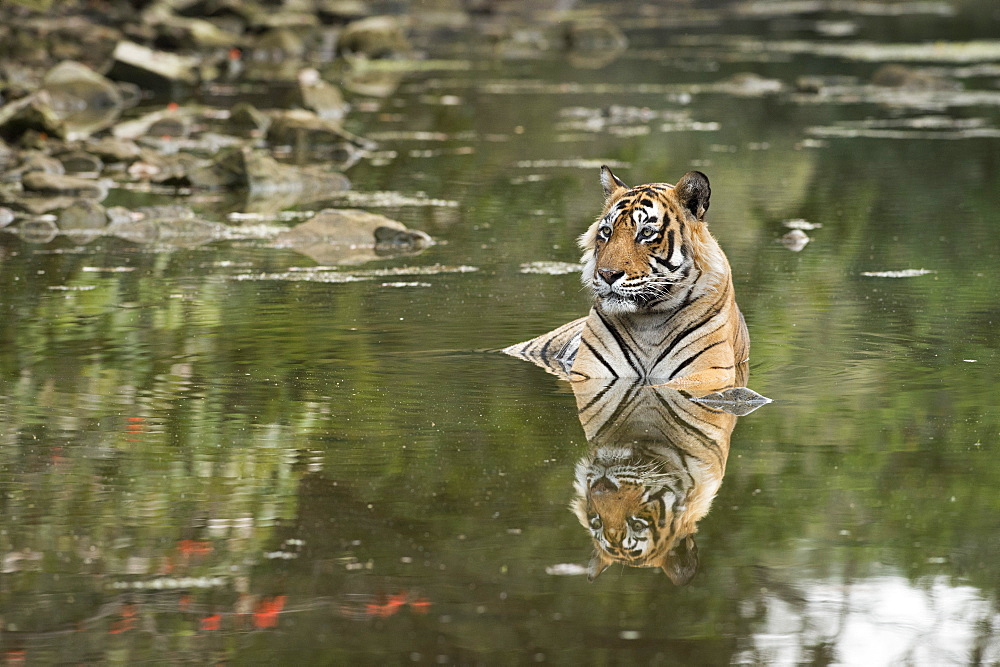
[[656, 462], [664, 306]]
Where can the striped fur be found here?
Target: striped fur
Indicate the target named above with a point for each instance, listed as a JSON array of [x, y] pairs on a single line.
[[664, 307], [656, 462]]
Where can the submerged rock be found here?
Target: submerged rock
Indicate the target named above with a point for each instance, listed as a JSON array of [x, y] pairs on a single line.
[[164, 225], [38, 230], [261, 174], [352, 236]]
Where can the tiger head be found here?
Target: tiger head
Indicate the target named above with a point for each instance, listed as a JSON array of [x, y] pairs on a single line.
[[638, 512], [649, 244]]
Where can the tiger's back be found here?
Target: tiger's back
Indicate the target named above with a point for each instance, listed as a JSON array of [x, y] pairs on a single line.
[[664, 305]]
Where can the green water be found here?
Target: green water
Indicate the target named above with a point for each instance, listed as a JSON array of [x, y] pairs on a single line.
[[221, 453]]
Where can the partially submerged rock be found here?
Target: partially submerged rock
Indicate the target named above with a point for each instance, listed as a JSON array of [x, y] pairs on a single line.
[[261, 174], [739, 401], [352, 236]]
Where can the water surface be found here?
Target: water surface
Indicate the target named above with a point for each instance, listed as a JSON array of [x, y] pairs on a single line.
[[230, 451]]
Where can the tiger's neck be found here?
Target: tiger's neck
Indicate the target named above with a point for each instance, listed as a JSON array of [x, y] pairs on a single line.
[[698, 335]]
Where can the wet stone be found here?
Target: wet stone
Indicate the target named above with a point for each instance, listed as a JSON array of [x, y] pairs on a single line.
[[111, 149], [352, 236], [79, 162], [318, 95], [84, 215], [152, 69], [373, 37], [36, 161], [33, 112], [57, 184], [6, 216], [246, 120], [82, 100], [39, 230]]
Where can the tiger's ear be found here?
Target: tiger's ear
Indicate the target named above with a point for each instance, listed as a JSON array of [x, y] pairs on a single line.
[[681, 562], [599, 562], [612, 184], [693, 192]]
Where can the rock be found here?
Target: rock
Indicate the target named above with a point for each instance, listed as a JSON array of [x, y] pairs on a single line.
[[174, 119], [739, 401], [261, 174], [277, 46], [748, 84], [33, 112], [164, 225], [43, 183], [373, 37], [152, 69], [351, 236], [246, 120], [80, 162], [112, 149], [795, 240], [593, 42], [372, 82], [907, 78], [298, 127], [83, 100], [84, 215], [35, 161], [38, 230], [6, 217], [321, 97]]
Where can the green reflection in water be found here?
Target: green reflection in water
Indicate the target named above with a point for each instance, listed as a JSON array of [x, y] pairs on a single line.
[[201, 467]]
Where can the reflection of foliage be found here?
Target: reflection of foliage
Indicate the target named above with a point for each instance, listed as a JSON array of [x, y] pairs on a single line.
[[156, 422]]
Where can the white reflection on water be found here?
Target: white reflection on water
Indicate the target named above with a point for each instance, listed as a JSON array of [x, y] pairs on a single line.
[[883, 620]]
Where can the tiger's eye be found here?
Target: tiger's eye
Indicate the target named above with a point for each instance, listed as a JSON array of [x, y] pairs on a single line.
[[595, 522], [637, 524]]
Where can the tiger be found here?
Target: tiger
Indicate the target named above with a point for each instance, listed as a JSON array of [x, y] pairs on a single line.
[[656, 461], [664, 306]]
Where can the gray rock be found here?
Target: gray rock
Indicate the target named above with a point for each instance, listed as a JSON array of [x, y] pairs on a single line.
[[739, 401], [245, 120], [38, 230], [84, 215], [33, 112], [83, 100], [351, 236], [373, 37], [319, 96], [111, 149], [80, 162], [43, 183], [153, 69], [301, 127]]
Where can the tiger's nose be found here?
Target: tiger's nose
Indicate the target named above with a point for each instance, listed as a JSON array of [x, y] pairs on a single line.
[[610, 275]]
